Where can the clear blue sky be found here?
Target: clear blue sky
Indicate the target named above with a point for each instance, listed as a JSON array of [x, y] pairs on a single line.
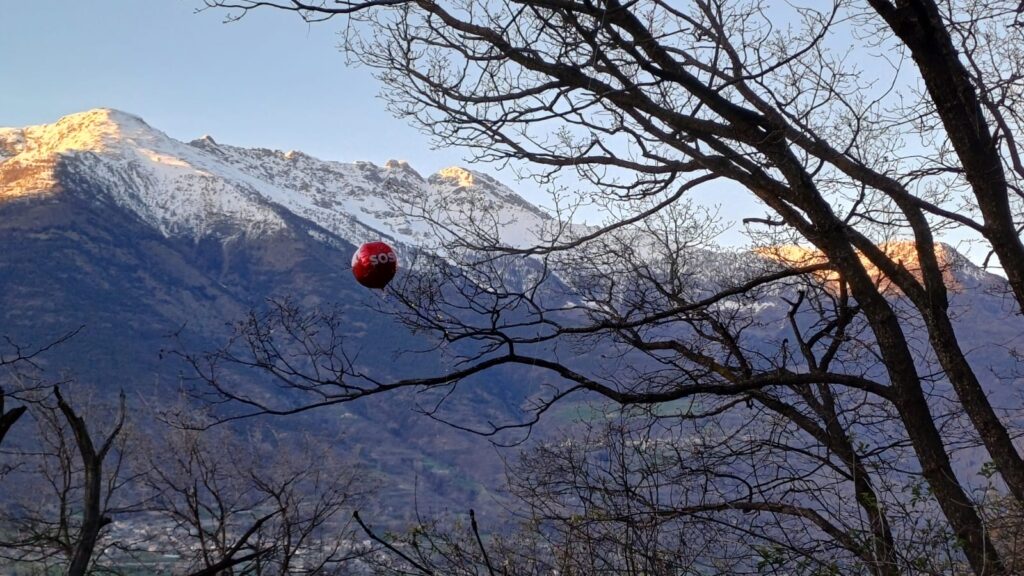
[[269, 80]]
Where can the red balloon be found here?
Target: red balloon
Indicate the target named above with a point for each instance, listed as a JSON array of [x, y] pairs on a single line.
[[374, 264]]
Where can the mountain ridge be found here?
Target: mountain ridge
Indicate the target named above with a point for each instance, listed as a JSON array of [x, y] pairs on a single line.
[[186, 189]]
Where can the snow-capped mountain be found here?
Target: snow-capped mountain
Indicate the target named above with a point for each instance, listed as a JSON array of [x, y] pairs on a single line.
[[108, 223], [291, 219], [190, 189]]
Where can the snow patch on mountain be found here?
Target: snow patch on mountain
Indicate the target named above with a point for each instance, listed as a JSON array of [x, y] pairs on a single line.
[[350, 200]]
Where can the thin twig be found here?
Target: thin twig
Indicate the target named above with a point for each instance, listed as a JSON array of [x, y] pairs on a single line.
[[375, 538]]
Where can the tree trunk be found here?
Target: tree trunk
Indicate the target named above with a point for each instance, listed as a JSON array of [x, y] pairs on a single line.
[[92, 463]]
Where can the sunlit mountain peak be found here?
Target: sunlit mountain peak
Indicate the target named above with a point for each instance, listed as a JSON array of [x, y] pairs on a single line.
[[904, 253], [457, 175], [29, 155]]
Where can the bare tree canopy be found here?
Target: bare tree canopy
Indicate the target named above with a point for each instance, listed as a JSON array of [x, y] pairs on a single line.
[[865, 129], [88, 492]]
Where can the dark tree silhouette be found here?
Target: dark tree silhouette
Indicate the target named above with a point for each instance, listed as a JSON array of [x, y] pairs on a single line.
[[90, 493], [230, 504], [67, 482], [12, 357], [865, 129]]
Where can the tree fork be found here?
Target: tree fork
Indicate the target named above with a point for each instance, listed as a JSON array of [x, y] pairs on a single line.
[[92, 464]]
